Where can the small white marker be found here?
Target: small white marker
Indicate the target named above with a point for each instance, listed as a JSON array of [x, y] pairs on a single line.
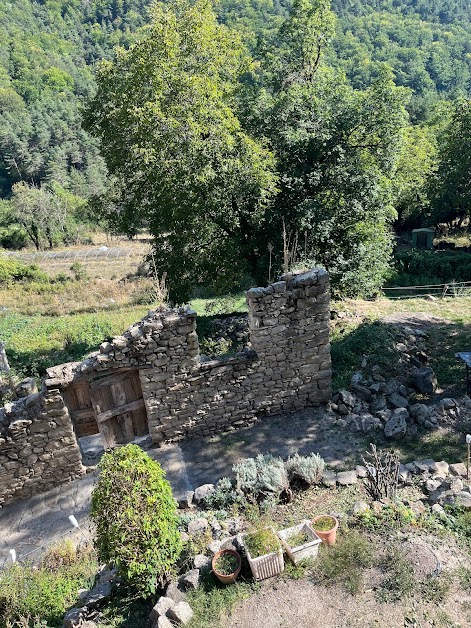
[[13, 555], [74, 521]]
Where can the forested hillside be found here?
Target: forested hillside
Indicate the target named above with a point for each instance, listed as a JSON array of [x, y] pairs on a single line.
[[50, 165]]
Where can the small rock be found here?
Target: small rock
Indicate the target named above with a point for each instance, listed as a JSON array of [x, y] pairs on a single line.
[[458, 468], [359, 507], [454, 484], [160, 609], [403, 473], [378, 404], [214, 547], [361, 471], [441, 468], [347, 478], [418, 507], [100, 594], [448, 403], [342, 409], [74, 617], [357, 378], [398, 401], [329, 479], [396, 427], [181, 613], [201, 562], [432, 485], [438, 510], [190, 580], [203, 491], [362, 392], [420, 412], [346, 398], [424, 380], [187, 500], [424, 466], [175, 592], [198, 526], [463, 499], [164, 622]]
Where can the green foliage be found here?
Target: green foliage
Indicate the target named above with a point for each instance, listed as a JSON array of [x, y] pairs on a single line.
[[203, 183], [344, 562], [35, 343], [261, 542], [79, 271], [12, 271], [261, 478], [348, 349], [432, 267], [212, 600], [395, 516], [308, 469], [223, 497], [135, 517], [46, 591], [226, 564]]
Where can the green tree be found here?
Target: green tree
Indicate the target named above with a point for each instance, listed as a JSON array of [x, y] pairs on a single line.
[[336, 152], [450, 188], [165, 116]]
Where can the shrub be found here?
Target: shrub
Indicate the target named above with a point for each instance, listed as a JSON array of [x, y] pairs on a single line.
[[46, 591], [344, 562], [136, 519], [79, 271], [12, 271], [223, 497], [261, 478], [308, 469]]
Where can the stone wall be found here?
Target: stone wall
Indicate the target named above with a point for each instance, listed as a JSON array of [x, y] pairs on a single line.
[[285, 368], [38, 448]]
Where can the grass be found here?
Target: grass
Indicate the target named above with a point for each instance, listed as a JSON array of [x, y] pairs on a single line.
[[399, 582], [46, 591], [212, 600], [126, 609], [345, 561]]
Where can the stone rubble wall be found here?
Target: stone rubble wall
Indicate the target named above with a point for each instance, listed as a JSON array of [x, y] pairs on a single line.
[[38, 448], [286, 368]]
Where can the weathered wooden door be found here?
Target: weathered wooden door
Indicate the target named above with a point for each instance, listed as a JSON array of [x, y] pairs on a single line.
[[119, 407], [77, 399]]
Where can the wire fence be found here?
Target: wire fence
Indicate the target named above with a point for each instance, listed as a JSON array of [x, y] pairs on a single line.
[[442, 290], [101, 252]]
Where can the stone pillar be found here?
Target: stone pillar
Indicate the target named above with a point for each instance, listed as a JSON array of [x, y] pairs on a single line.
[[289, 330]]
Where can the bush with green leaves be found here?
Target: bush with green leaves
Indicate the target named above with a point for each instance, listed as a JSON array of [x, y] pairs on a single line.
[[44, 592], [308, 469], [223, 497], [12, 271], [136, 518], [262, 478]]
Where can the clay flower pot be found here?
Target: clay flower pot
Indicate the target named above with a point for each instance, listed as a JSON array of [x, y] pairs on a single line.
[[226, 578], [328, 536]]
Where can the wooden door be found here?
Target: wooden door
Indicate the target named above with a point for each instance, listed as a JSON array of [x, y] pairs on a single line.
[[78, 401], [119, 407]]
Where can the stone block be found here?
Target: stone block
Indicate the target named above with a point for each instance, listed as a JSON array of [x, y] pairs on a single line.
[[181, 613]]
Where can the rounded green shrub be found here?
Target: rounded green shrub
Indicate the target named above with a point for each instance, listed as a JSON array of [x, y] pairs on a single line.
[[136, 519]]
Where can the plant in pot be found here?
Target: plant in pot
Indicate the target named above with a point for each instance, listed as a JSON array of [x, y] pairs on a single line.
[[325, 526], [226, 565], [300, 542], [264, 553]]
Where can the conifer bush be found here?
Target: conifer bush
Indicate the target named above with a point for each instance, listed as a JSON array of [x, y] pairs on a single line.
[[136, 518]]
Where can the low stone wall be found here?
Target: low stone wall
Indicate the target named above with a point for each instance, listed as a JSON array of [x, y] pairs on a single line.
[[38, 448]]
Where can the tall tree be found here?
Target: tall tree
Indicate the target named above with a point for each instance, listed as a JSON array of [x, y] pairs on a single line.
[[451, 186], [336, 150], [164, 113]]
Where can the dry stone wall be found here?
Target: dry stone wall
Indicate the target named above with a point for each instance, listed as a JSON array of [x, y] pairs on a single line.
[[38, 448], [286, 367]]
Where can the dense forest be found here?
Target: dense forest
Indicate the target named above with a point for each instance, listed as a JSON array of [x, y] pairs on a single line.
[[53, 177]]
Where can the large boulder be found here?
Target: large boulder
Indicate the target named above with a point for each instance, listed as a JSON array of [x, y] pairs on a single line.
[[396, 427], [424, 380]]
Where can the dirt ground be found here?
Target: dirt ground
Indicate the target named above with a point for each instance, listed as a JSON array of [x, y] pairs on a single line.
[[306, 603]]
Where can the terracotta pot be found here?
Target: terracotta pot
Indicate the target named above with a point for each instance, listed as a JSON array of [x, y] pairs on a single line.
[[226, 578], [328, 536]]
